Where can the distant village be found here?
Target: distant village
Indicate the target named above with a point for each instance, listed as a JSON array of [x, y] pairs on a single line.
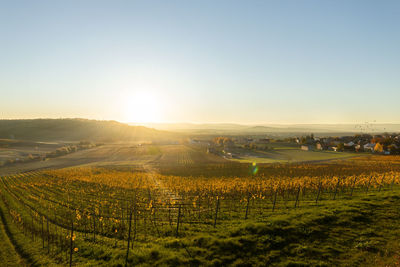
[[385, 144]]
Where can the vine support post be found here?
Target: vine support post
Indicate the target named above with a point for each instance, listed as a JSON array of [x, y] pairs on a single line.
[[380, 185], [134, 220], [392, 183], [275, 196], [247, 206], [48, 235], [319, 192], [369, 183], [296, 204], [33, 227], [352, 187], [94, 227], [216, 212], [336, 189], [71, 243], [129, 237], [41, 220], [179, 219]]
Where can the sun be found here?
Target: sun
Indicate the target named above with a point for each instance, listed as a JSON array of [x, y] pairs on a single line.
[[142, 107]]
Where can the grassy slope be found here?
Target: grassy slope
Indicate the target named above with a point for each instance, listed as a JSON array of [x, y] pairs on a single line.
[[8, 255], [358, 232], [31, 254], [362, 231]]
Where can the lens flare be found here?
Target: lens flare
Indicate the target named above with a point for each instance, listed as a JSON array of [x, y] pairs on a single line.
[[254, 168]]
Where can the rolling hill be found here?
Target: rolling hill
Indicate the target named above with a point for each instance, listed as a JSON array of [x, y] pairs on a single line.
[[76, 130]]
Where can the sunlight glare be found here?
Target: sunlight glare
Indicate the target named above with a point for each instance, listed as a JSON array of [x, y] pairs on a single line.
[[142, 107]]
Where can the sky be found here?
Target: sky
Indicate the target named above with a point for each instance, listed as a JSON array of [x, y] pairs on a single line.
[[297, 61]]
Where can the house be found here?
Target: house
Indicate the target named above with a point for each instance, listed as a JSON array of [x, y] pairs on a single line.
[[306, 147], [319, 146], [369, 147], [349, 144]]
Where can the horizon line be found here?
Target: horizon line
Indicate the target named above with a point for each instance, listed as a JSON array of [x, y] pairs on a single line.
[[200, 123]]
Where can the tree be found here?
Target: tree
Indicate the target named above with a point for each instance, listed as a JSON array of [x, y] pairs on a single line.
[[378, 148], [340, 147]]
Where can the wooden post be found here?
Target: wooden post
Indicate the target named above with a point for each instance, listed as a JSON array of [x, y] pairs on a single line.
[[199, 207], [129, 238], [297, 197], [94, 227], [145, 225], [216, 212], [71, 244], [42, 231], [319, 192], [380, 185], [48, 235], [336, 188], [134, 220], [33, 228], [352, 187], [391, 186], [369, 182], [275, 195], [85, 218], [179, 218], [169, 214], [247, 206], [155, 220]]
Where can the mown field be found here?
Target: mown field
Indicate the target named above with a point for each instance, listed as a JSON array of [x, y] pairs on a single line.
[[181, 208], [282, 152]]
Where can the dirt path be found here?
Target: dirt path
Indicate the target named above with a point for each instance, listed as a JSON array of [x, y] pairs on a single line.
[[163, 192]]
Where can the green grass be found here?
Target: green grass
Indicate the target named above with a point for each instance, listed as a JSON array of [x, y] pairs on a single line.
[[286, 155], [362, 231], [8, 255]]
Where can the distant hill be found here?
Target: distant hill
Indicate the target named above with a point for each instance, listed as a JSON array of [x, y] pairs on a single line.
[[277, 129], [77, 130]]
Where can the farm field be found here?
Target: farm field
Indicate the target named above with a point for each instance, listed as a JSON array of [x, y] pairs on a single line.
[[170, 159], [127, 154], [18, 149], [286, 153], [295, 155], [274, 214]]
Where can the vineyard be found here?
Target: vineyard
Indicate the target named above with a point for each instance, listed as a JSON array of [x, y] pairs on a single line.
[[108, 216]]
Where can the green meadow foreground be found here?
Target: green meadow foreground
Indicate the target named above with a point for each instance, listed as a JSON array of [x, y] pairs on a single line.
[[177, 205]]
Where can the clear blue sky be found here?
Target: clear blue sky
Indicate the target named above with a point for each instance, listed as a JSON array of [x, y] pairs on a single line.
[[320, 61]]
